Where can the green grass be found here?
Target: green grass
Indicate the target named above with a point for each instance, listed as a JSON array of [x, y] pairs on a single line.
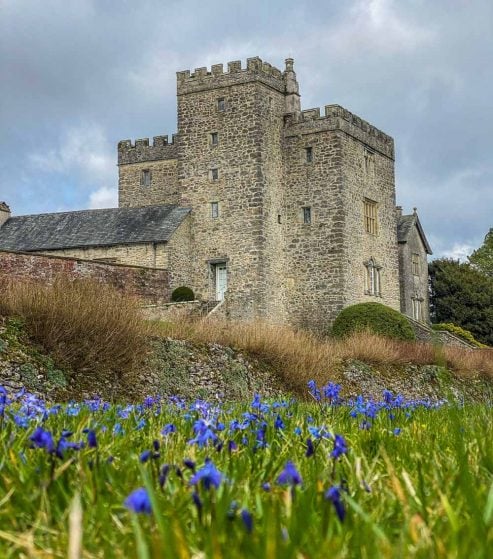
[[427, 492]]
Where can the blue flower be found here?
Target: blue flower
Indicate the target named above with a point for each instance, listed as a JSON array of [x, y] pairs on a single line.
[[190, 464], [91, 439], [310, 449], [247, 520], [144, 457], [340, 447], [266, 486], [43, 439], [290, 475], [333, 494], [279, 424], [163, 474], [314, 391], [397, 431], [169, 428], [138, 501], [209, 476]]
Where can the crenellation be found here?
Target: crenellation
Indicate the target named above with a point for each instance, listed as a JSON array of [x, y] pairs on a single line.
[[141, 150], [338, 118], [256, 70]]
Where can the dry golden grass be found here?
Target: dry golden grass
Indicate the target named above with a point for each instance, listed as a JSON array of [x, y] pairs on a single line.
[[299, 356], [84, 325]]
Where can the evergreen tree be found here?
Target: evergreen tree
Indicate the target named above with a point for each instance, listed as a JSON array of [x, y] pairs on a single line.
[[482, 258], [462, 295]]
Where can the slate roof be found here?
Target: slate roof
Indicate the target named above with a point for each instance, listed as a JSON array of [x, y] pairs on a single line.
[[405, 225], [87, 228]]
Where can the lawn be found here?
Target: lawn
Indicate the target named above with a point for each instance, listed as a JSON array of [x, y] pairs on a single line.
[[263, 479]]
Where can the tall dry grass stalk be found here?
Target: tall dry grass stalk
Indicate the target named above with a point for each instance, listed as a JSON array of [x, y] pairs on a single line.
[[300, 356], [85, 325]]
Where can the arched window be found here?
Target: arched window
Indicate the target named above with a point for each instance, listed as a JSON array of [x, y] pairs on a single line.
[[373, 285]]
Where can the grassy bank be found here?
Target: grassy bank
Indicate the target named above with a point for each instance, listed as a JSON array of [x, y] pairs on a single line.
[[405, 480]]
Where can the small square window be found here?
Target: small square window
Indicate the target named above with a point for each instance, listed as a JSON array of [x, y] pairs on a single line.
[[278, 218], [145, 178], [214, 139], [221, 105], [307, 215], [309, 154], [215, 174], [214, 209]]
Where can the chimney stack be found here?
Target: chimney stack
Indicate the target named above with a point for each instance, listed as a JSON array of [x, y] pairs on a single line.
[[398, 209], [4, 213]]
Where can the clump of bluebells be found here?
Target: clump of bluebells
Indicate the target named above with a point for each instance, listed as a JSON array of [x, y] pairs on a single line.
[[215, 436]]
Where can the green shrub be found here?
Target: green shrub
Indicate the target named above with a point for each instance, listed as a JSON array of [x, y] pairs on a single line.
[[182, 293], [375, 317], [459, 332]]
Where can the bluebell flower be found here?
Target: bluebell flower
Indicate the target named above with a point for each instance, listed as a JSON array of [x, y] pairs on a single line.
[[313, 390], [169, 428], [232, 446], [266, 486], [297, 431], [333, 494], [340, 447], [138, 501], [279, 424], [310, 449], [144, 457], [397, 431], [43, 439], [209, 476], [331, 392], [290, 475], [197, 501], [190, 464], [155, 445], [247, 520], [91, 439]]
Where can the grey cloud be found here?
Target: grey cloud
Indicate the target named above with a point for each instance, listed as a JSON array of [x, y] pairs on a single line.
[[418, 70]]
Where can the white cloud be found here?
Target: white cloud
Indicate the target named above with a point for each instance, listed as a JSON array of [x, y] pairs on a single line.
[[83, 150], [377, 25], [104, 197], [459, 252]]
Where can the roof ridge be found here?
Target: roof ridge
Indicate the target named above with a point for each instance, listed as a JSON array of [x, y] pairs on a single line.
[[94, 210]]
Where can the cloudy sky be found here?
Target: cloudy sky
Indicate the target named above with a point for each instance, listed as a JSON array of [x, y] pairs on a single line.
[[77, 76]]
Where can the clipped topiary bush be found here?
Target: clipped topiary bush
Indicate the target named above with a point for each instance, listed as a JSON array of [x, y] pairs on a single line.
[[181, 294], [459, 332], [375, 317]]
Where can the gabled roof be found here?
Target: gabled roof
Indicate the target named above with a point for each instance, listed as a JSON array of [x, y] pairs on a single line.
[[405, 225], [87, 228]]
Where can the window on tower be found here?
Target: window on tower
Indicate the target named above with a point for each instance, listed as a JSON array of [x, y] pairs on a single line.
[[215, 174], [214, 138], [309, 154], [221, 105], [145, 177]]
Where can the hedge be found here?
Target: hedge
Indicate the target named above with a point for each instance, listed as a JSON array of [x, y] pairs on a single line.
[[182, 293], [376, 318]]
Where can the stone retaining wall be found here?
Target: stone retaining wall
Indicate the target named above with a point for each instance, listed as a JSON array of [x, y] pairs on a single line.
[[425, 333], [148, 284]]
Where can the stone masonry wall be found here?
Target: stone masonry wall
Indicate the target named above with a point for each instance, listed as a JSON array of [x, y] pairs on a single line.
[[149, 255], [179, 256], [239, 235], [150, 285], [163, 189], [412, 285], [375, 182], [314, 274], [328, 255]]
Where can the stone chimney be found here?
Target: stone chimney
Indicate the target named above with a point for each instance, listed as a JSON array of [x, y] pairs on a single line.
[[398, 210], [293, 104], [4, 213]]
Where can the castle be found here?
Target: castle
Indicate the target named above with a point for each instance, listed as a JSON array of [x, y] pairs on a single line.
[[274, 212]]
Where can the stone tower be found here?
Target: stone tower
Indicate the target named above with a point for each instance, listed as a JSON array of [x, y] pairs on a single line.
[[292, 212]]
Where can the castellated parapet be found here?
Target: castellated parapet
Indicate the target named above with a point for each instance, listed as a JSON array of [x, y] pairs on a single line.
[[256, 70], [142, 151], [336, 117]]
